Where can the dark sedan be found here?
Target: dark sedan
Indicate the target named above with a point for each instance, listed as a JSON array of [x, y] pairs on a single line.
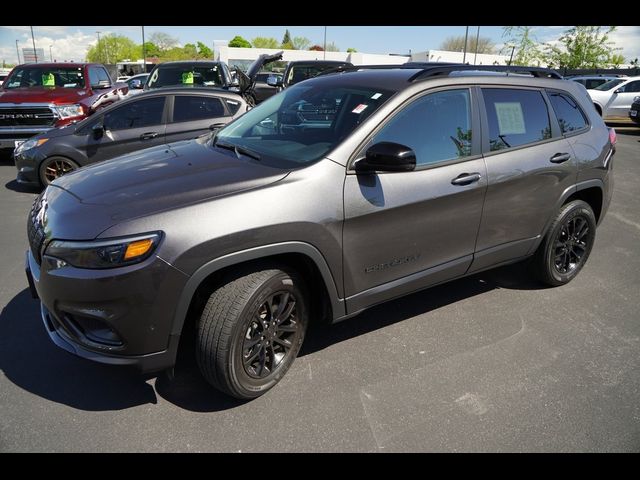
[[634, 111], [146, 120]]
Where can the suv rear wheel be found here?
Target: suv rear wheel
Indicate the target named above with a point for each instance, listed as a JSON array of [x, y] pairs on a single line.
[[250, 332], [566, 247]]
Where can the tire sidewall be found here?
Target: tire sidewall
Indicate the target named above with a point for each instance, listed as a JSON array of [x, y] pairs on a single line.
[[577, 209], [248, 386]]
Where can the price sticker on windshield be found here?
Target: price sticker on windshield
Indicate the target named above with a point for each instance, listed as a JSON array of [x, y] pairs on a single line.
[[360, 108], [187, 78]]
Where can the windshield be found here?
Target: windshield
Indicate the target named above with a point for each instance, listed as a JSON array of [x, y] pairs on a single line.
[[609, 85], [70, 77], [188, 75], [301, 124]]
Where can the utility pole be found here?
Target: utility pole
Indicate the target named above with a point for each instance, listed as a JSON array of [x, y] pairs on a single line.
[[50, 54], [34, 45], [99, 48], [466, 34], [144, 53], [18, 52], [477, 39], [325, 43]]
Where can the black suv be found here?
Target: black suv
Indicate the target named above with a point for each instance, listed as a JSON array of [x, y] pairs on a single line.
[[337, 194]]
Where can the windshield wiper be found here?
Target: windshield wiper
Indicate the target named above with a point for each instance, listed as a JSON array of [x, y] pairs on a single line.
[[238, 150]]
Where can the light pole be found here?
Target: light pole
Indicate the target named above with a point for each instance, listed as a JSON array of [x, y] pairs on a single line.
[[144, 53], [99, 49], [18, 52], [50, 54], [477, 38], [325, 44], [34, 45], [466, 34]]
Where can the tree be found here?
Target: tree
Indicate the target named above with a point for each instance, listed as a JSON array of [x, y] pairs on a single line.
[[582, 47], [616, 60], [190, 51], [634, 62], [164, 41], [316, 48], [113, 48], [301, 43], [204, 51], [351, 50], [286, 40], [522, 42], [265, 42], [240, 42], [151, 49], [456, 44], [332, 47]]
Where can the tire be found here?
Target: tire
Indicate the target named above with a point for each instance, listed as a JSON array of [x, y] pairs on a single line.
[[235, 351], [54, 167], [567, 245]]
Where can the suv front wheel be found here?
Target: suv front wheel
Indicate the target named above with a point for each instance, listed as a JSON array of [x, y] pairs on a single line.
[[250, 332], [567, 245]]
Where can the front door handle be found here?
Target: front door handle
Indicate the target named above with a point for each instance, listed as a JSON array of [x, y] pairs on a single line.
[[560, 157], [466, 178], [148, 135]]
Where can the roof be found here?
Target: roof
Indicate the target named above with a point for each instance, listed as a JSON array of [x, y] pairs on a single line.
[[189, 62], [170, 90], [59, 64]]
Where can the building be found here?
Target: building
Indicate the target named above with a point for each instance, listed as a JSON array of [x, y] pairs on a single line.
[[31, 56]]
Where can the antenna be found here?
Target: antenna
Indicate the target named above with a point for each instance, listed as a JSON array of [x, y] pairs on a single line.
[[511, 57]]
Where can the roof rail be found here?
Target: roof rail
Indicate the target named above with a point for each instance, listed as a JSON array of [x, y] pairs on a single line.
[[353, 68], [436, 70]]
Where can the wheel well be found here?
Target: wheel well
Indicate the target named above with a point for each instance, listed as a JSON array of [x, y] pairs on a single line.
[[593, 196], [598, 108], [319, 301]]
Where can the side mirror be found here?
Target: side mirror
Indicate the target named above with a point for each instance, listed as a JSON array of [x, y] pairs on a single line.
[[274, 81], [136, 84], [619, 90], [387, 157], [98, 130]]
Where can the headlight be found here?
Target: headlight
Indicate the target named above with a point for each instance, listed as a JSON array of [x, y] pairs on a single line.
[[68, 111], [29, 144], [116, 252], [636, 99]]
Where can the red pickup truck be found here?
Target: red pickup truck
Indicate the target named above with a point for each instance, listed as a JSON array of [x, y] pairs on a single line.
[[37, 97]]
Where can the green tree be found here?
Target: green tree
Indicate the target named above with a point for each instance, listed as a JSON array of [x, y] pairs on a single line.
[[456, 44], [286, 40], [190, 51], [113, 48], [151, 49], [265, 42], [240, 42], [163, 40], [332, 47], [616, 60], [351, 50], [582, 47], [301, 43], [204, 51], [522, 42]]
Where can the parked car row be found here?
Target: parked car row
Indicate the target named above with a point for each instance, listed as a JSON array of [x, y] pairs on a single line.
[[613, 99]]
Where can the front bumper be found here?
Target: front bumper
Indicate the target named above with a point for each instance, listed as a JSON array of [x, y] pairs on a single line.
[[9, 136], [28, 164], [136, 305]]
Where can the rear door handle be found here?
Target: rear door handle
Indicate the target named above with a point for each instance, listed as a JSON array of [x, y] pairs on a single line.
[[560, 157], [148, 135], [466, 178]]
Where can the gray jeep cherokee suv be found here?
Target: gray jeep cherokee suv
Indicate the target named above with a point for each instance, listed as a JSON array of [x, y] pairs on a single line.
[[341, 192]]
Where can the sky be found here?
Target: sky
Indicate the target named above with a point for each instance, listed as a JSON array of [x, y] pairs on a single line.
[[72, 43]]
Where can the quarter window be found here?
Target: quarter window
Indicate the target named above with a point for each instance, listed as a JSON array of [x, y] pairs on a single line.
[[569, 115], [437, 127], [632, 87], [516, 117], [188, 107], [143, 113]]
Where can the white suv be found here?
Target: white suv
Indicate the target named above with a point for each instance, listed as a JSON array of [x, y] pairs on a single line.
[[614, 98]]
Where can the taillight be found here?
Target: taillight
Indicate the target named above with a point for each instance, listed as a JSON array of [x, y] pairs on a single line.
[[613, 138]]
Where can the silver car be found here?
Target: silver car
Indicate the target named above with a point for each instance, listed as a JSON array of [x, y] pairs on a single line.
[[614, 98]]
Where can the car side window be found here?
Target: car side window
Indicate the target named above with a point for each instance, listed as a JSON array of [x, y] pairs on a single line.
[[570, 116], [516, 117], [103, 75], [142, 113], [437, 127], [191, 107], [632, 87], [93, 76]]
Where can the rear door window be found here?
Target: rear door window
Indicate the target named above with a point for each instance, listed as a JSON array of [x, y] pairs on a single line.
[[192, 107], [516, 117], [569, 115]]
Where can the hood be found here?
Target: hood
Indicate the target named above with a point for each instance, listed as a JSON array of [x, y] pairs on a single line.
[[54, 95], [248, 79], [162, 178]]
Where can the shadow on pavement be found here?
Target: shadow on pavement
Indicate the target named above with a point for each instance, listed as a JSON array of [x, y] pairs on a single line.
[[18, 187]]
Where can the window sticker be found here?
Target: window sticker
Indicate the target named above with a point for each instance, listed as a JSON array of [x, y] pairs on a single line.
[[48, 80], [360, 108], [376, 96], [510, 118], [187, 78]]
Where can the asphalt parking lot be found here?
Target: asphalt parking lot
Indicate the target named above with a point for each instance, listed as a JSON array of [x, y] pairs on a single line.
[[493, 362]]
